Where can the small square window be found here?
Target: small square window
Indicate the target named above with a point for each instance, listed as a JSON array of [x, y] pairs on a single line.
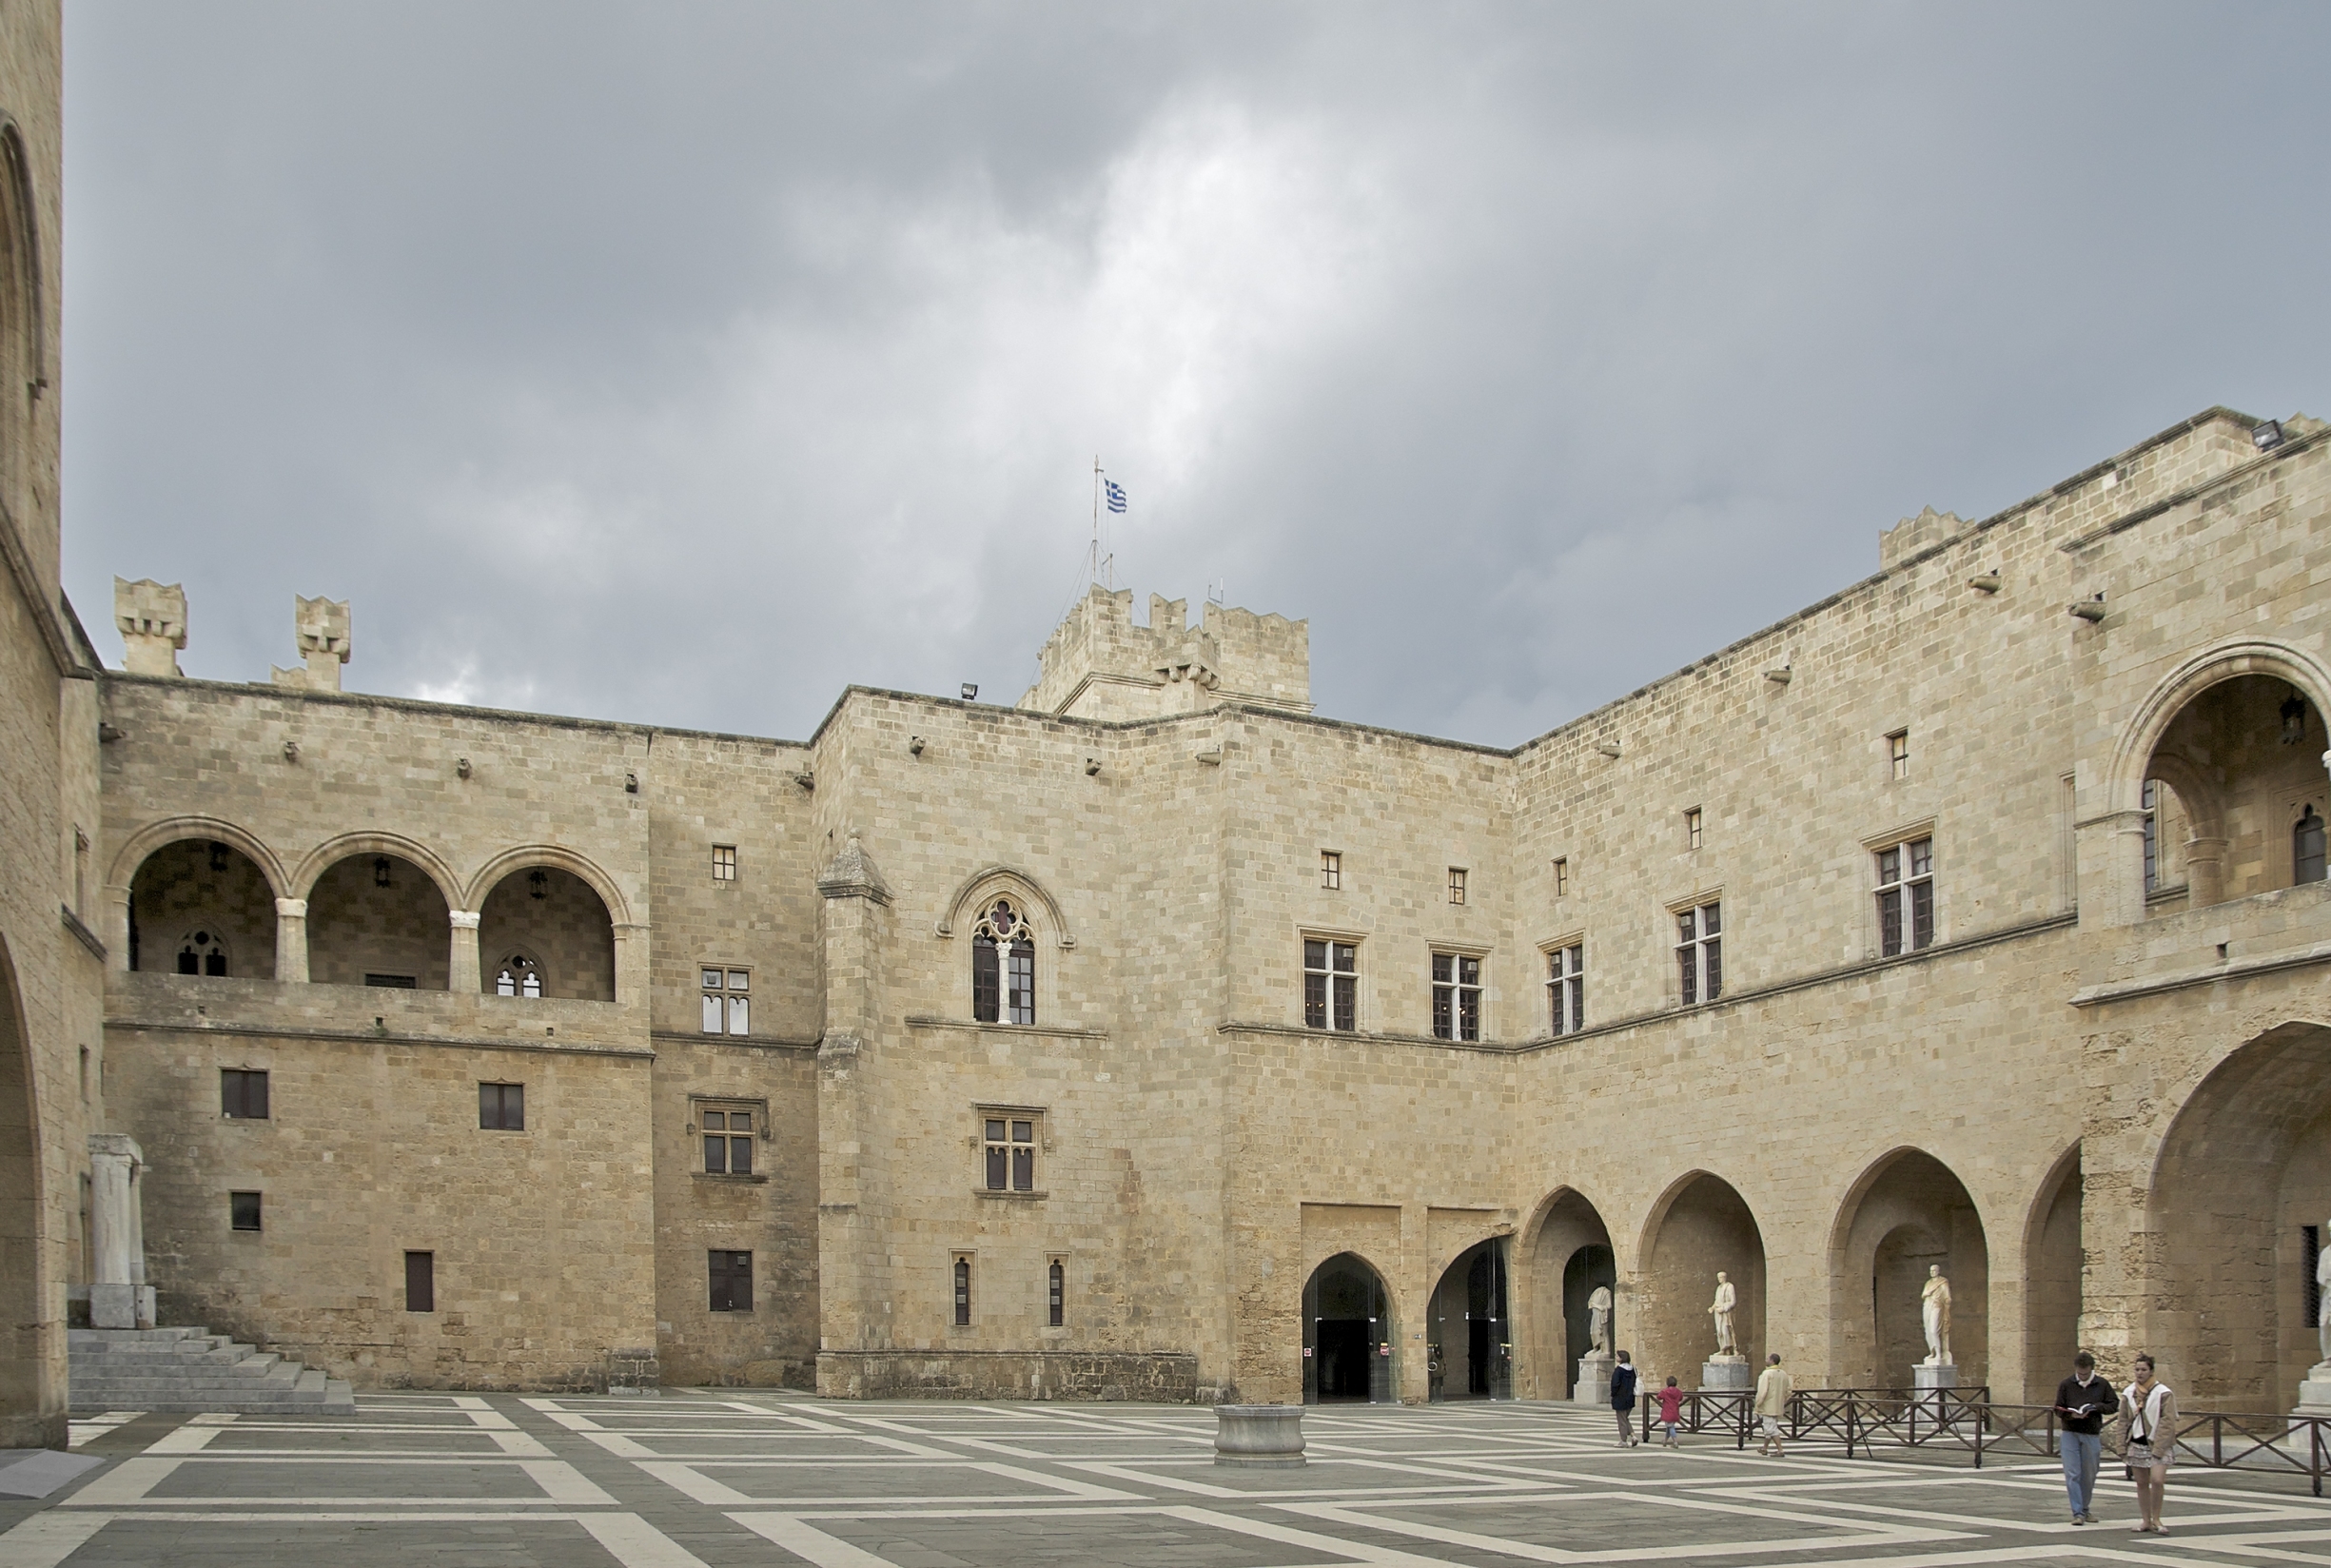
[[242, 1210], [501, 1108], [243, 1094], [724, 862], [1691, 828], [728, 1006], [1561, 876], [1331, 870], [1456, 884], [1898, 753]]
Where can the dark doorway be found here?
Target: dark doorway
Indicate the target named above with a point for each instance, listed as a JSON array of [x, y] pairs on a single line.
[[1472, 1354], [1347, 1334], [1588, 1267]]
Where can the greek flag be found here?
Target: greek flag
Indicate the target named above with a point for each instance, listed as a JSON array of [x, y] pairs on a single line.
[[1115, 493]]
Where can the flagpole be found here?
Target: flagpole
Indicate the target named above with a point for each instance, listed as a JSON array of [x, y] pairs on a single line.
[[1095, 556]]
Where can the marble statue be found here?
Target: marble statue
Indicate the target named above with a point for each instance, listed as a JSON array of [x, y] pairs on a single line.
[[1721, 1310], [2322, 1297], [1598, 1319], [1934, 1307]]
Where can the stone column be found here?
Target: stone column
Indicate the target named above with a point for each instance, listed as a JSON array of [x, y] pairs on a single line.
[[116, 1236], [291, 940], [117, 929], [2111, 870], [2204, 871], [462, 974]]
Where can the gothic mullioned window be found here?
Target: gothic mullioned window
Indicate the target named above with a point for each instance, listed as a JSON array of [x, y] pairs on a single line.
[[2306, 847], [518, 976], [1003, 966], [202, 952]]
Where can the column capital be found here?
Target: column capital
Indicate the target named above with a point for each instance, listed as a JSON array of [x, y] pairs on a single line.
[[291, 909], [464, 919]]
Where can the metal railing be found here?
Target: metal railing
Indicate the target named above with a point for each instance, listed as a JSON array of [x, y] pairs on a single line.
[[1867, 1422]]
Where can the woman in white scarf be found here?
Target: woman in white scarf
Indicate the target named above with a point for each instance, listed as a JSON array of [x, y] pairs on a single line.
[[2148, 1438]]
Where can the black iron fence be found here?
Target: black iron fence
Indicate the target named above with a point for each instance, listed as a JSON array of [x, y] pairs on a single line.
[[1870, 1422]]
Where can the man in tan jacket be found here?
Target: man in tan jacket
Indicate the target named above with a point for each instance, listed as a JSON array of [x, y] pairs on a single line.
[[1772, 1390]]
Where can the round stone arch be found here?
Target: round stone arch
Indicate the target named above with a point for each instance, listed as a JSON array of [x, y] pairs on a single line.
[[2132, 758], [1012, 882], [527, 856], [1564, 1249], [2231, 1177], [173, 830], [1701, 1223], [1343, 1289], [31, 1396], [420, 856], [2054, 1277], [1904, 1212]]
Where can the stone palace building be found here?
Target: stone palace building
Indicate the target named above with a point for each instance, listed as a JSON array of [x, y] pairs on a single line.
[[1159, 1037]]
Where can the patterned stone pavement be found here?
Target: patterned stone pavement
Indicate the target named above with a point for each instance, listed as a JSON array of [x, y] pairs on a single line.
[[716, 1478]]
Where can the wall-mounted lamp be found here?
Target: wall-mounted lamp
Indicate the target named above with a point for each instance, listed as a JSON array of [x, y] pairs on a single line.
[[2294, 720], [631, 783], [2266, 436], [381, 872], [461, 768], [291, 751], [218, 857], [537, 883], [970, 690]]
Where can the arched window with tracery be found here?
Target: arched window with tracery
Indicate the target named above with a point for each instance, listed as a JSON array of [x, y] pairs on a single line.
[[203, 950], [1003, 966], [2306, 847], [518, 976]]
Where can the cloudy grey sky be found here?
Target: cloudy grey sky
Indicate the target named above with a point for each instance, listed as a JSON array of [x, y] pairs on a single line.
[[685, 362]]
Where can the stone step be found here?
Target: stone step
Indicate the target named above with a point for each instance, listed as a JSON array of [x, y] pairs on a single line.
[[192, 1370]]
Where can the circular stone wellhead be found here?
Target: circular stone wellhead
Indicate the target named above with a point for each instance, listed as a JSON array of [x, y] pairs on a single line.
[[1261, 1435]]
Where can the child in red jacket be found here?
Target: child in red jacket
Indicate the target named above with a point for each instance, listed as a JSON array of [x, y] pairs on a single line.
[[1671, 1411]]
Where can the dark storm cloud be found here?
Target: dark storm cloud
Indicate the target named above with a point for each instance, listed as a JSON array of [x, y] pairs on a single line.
[[687, 362]]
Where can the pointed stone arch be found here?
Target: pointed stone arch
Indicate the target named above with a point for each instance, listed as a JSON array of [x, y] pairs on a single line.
[[1011, 879], [1349, 1325], [1701, 1223], [1566, 1248], [2054, 1275], [1906, 1212]]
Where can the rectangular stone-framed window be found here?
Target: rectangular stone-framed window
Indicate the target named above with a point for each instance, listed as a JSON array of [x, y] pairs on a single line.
[[727, 999], [1699, 951], [1566, 988], [1457, 996], [1691, 830], [732, 1280], [1561, 876], [1331, 870], [1898, 755], [724, 862], [421, 1281], [728, 1129], [1010, 1141], [959, 1281], [1331, 983], [243, 1211], [1906, 896], [501, 1108], [243, 1094], [1056, 1293], [1456, 884], [393, 982]]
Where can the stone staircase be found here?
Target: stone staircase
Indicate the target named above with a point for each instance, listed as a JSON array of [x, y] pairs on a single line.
[[192, 1369]]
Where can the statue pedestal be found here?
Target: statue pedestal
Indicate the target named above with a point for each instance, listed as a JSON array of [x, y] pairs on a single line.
[[1727, 1375], [2315, 1393], [1594, 1384], [1927, 1376]]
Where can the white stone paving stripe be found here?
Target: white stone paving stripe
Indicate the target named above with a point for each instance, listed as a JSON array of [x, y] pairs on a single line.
[[45, 1540], [636, 1543], [809, 1543]]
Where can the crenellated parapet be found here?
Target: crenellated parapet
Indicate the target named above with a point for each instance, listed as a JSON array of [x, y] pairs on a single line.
[[1100, 663]]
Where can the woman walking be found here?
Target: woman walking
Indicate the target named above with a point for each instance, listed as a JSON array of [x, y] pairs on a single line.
[[2148, 1428]]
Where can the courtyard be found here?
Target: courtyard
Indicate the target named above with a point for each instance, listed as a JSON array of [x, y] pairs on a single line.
[[749, 1477]]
